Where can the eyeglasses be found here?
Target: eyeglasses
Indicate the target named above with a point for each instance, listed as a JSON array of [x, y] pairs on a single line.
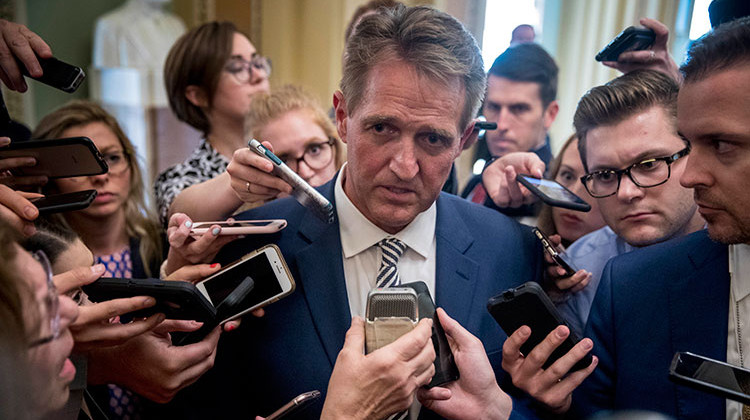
[[51, 301], [117, 162], [242, 69], [645, 174], [316, 156]]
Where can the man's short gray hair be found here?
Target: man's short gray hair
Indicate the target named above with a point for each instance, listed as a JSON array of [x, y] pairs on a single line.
[[435, 43]]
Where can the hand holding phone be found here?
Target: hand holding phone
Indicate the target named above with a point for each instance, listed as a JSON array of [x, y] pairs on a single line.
[[557, 257], [391, 312], [57, 158], [552, 193], [57, 203], [295, 405], [630, 39], [239, 227], [57, 74]]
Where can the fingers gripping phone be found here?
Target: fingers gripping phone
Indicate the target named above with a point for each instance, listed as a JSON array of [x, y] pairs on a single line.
[[631, 39], [270, 277], [295, 405], [557, 257], [57, 203], [239, 227], [527, 304], [57, 158], [391, 312], [552, 193], [712, 376], [57, 74]]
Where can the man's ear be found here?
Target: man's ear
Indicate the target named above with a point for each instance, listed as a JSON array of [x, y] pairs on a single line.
[[196, 96], [339, 106], [468, 137], [550, 114]]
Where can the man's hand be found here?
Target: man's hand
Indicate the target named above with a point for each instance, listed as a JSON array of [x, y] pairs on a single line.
[[17, 41], [475, 395], [655, 58], [184, 249], [151, 366], [562, 283], [383, 382], [93, 328], [553, 386], [499, 179]]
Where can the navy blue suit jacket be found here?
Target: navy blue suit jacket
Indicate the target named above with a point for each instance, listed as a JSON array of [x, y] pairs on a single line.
[[293, 348], [650, 304]]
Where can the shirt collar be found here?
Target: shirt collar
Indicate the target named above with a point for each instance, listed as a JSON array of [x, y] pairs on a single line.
[[739, 268], [358, 234]]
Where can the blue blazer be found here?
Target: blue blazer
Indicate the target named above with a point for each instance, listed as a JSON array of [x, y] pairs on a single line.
[[652, 303], [293, 348]]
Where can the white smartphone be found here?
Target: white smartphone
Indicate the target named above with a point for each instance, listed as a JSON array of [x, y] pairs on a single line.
[[270, 274], [239, 227]]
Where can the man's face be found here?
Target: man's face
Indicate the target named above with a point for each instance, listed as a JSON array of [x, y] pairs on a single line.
[[714, 115], [522, 120], [401, 142], [643, 216]]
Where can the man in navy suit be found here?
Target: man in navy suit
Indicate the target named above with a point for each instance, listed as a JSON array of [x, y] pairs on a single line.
[[413, 80], [693, 293]]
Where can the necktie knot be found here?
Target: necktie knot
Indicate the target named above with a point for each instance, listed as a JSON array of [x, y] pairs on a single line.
[[392, 249]]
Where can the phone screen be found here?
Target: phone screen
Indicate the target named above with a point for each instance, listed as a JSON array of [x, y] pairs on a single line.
[[553, 190], [259, 268], [238, 223], [722, 375]]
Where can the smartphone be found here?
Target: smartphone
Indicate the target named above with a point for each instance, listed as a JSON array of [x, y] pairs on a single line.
[[527, 304], [631, 39], [712, 376], [239, 227], [57, 74], [175, 299], [552, 193], [57, 203], [57, 158], [391, 312], [485, 125], [301, 190], [270, 274], [292, 407], [557, 257], [446, 369]]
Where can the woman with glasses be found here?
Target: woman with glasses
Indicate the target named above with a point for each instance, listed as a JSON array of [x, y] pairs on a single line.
[[295, 127], [211, 74]]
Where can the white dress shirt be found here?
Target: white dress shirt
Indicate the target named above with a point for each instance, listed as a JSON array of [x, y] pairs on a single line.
[[739, 298], [362, 255]]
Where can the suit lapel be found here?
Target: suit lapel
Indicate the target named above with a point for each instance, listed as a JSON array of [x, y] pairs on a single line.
[[698, 304], [320, 265], [455, 273]]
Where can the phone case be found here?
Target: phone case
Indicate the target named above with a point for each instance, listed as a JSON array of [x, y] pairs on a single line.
[[57, 158], [201, 228], [718, 379], [64, 202], [556, 256], [527, 304], [630, 39], [565, 202], [446, 369], [57, 73]]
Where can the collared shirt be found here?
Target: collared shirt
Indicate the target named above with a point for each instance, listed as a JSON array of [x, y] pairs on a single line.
[[362, 255], [739, 301], [591, 253]]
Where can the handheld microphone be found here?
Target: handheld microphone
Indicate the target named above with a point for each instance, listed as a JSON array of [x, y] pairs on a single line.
[[391, 312]]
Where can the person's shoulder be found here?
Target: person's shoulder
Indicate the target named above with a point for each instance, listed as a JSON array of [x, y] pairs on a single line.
[[592, 241], [472, 213]]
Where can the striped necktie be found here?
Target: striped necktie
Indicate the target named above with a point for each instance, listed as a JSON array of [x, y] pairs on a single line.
[[392, 249]]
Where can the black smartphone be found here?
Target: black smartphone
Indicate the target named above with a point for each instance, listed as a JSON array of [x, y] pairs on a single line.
[[552, 193], [64, 202], [558, 258], [295, 405], [175, 299], [57, 158], [630, 39], [445, 365], [527, 304], [485, 125], [57, 74], [712, 376]]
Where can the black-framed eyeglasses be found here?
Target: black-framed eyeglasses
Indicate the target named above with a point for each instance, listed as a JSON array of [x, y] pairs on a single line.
[[51, 301], [645, 174], [317, 155], [242, 69]]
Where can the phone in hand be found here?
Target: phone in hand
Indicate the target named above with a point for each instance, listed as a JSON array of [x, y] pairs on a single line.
[[552, 193], [301, 190], [557, 257], [712, 376], [630, 39], [57, 158], [271, 282], [391, 312], [239, 227], [295, 405], [528, 305], [57, 203], [57, 74]]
